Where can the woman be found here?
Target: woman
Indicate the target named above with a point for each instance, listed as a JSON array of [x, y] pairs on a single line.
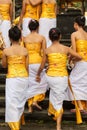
[[28, 12], [6, 12], [57, 75], [47, 17], [78, 76], [35, 44], [15, 58]]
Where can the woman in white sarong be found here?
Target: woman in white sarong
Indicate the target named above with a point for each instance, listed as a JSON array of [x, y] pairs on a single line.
[[5, 20], [56, 74], [47, 17], [78, 76], [28, 12], [15, 58], [35, 44]]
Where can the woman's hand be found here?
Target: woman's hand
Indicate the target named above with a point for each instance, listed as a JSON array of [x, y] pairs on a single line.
[[38, 79]]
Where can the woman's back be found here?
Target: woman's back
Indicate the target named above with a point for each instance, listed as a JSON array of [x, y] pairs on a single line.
[[16, 50], [81, 35], [48, 1], [33, 43], [5, 1]]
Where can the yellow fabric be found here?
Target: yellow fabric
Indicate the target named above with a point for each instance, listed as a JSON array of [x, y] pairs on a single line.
[[48, 11], [57, 64], [0, 53], [54, 112], [22, 120], [4, 11], [16, 66], [78, 114], [81, 48], [31, 12], [16, 21], [37, 98], [14, 125], [34, 50]]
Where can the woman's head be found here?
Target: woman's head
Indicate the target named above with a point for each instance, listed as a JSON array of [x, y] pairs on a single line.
[[54, 34], [80, 21], [15, 33], [33, 25]]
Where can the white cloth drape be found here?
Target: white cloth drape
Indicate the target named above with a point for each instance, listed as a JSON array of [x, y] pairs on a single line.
[[58, 86], [5, 25], [25, 24], [45, 25], [16, 89], [36, 88], [78, 79]]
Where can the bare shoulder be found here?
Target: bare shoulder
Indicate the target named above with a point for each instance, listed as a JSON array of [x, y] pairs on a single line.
[[47, 50], [24, 1], [6, 51], [10, 1], [42, 37], [73, 34]]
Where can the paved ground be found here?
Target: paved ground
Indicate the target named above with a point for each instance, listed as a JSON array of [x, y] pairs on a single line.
[[40, 125]]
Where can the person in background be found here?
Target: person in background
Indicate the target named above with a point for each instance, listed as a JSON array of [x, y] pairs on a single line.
[[78, 76], [56, 74], [35, 45], [15, 59], [6, 11], [28, 12], [47, 18]]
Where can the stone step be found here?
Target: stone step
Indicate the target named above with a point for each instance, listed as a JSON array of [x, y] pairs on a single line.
[[2, 70], [44, 104], [66, 42], [43, 115], [2, 78], [2, 88]]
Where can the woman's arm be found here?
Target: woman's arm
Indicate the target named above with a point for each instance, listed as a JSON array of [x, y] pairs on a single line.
[[35, 2], [22, 13], [73, 41], [43, 61], [75, 56], [11, 11], [4, 59], [27, 62]]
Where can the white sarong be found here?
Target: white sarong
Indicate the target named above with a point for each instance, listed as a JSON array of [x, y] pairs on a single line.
[[36, 88], [25, 27], [78, 79], [58, 86], [16, 89], [45, 25], [5, 25]]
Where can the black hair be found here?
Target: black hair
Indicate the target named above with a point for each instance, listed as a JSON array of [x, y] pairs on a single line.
[[14, 33], [33, 25], [54, 34], [80, 20]]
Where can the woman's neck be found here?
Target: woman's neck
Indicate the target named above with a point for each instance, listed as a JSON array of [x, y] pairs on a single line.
[[14, 43]]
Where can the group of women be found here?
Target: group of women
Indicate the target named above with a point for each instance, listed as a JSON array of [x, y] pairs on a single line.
[[28, 77]]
